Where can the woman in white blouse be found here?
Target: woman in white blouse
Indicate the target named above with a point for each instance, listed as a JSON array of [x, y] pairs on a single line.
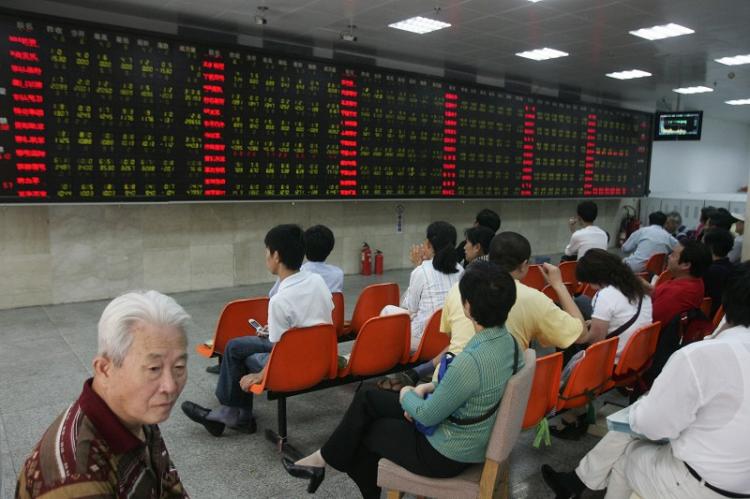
[[436, 273]]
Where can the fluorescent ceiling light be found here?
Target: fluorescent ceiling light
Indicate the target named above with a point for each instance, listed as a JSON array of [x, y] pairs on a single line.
[[738, 102], [734, 60], [419, 25], [664, 31], [692, 90], [535, 1], [629, 74], [542, 54]]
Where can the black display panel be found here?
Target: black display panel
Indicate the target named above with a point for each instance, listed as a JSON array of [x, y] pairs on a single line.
[[99, 114], [679, 125]]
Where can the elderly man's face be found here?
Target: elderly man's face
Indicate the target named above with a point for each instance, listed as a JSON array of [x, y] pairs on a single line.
[[146, 386], [672, 225]]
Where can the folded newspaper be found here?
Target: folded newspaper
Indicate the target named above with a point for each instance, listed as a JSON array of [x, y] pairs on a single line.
[[620, 421]]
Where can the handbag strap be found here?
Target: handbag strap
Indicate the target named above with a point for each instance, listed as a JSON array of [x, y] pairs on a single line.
[[624, 327], [491, 411]]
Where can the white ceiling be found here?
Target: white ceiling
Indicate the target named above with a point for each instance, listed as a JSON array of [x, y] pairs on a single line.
[[485, 35]]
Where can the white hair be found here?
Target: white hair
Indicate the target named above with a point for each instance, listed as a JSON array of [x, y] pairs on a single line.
[[132, 309]]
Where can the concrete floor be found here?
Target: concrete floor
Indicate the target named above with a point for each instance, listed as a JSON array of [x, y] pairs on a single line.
[[45, 356]]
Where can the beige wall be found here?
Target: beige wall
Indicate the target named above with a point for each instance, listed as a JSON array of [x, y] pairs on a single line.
[[59, 254]]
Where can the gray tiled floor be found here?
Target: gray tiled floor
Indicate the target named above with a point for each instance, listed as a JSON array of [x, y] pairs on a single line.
[[45, 355]]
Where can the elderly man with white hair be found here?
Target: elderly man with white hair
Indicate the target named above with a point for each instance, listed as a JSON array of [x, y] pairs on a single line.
[[107, 443]]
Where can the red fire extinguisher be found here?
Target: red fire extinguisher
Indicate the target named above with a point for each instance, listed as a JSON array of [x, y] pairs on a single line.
[[378, 262], [365, 260]]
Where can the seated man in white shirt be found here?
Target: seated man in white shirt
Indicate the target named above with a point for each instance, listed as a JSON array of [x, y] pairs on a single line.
[[319, 242], [648, 241], [303, 300], [700, 404], [587, 235]]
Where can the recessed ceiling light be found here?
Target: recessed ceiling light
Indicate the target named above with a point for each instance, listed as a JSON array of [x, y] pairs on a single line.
[[419, 25], [738, 102], [629, 74], [692, 90], [664, 31], [542, 54], [734, 60]]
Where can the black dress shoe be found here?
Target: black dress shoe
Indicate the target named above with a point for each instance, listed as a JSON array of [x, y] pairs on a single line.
[[199, 414], [214, 369], [313, 473], [564, 485], [249, 427]]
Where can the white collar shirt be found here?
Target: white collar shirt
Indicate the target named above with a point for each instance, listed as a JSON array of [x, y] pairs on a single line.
[[701, 403], [426, 293], [585, 239], [303, 300]]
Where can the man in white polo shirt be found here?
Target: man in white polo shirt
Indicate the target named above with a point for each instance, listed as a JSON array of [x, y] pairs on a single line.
[[302, 300], [588, 235], [700, 404]]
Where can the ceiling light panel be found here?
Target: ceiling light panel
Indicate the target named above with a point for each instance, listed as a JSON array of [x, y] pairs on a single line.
[[738, 102], [664, 31], [629, 74], [542, 54], [734, 60], [419, 25], [693, 90]]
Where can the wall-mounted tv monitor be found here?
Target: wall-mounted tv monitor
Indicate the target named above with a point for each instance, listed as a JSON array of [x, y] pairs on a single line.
[[682, 125]]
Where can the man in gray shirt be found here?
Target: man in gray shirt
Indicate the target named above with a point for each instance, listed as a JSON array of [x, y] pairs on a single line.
[[648, 241]]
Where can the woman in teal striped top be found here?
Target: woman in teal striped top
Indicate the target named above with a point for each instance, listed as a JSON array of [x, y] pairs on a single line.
[[379, 424]]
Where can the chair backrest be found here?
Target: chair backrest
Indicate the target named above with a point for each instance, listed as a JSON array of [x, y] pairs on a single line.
[[512, 407], [544, 389], [534, 278], [589, 377], [706, 305], [233, 319], [338, 312], [302, 358], [655, 263], [371, 301], [588, 291], [433, 341], [568, 273], [638, 354], [718, 316], [381, 344], [550, 292], [663, 277]]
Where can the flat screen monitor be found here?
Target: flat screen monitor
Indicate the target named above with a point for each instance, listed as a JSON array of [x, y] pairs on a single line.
[[682, 125]]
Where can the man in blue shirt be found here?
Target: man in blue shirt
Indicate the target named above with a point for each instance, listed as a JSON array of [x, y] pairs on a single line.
[[648, 241]]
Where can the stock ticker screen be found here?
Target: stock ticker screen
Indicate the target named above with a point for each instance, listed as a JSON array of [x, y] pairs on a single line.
[[100, 114]]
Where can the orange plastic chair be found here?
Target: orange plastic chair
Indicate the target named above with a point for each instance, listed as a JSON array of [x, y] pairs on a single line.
[[544, 389], [369, 304], [636, 357], [232, 323], [588, 291], [718, 316], [302, 358], [382, 344], [568, 274], [655, 264], [663, 277], [534, 278], [338, 312], [551, 293], [433, 341], [706, 306], [589, 376]]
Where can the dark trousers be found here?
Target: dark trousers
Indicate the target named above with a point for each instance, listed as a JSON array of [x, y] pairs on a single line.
[[374, 427], [243, 355]]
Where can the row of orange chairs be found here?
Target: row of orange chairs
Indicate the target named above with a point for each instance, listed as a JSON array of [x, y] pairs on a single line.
[[233, 319], [306, 359]]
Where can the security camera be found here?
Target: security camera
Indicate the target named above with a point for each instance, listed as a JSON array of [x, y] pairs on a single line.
[[261, 20], [348, 37]]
